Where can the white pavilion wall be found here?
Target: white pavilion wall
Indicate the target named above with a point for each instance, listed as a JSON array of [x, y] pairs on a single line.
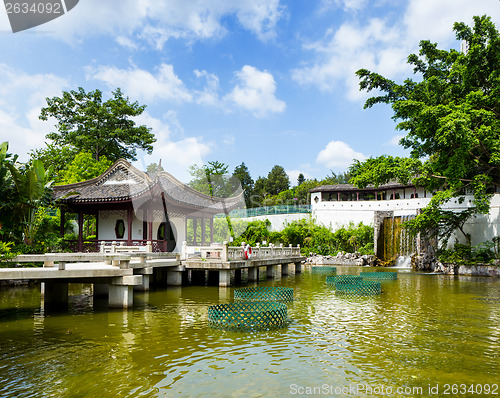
[[107, 222]]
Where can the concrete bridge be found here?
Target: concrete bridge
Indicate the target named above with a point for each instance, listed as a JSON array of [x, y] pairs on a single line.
[[118, 270]]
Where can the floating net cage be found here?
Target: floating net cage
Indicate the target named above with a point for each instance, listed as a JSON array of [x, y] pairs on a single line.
[[324, 270], [245, 315], [359, 288], [385, 276], [264, 293], [335, 279]]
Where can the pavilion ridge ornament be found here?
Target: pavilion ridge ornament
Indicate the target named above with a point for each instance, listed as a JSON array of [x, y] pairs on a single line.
[[264, 293], [247, 316], [26, 14]]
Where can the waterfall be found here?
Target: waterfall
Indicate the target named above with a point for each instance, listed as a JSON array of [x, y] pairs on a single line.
[[403, 262], [398, 243]]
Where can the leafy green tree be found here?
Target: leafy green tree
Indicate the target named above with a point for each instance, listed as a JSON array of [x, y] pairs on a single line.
[[84, 167], [259, 192], [6, 192], [380, 170], [451, 116], [86, 123], [302, 191], [247, 184], [33, 193], [277, 180], [300, 179], [54, 158], [334, 179], [212, 179]]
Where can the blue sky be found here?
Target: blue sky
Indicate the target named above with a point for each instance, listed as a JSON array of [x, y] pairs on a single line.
[[263, 82]]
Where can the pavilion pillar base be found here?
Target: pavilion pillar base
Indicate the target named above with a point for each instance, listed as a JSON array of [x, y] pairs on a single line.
[[298, 268], [253, 274]]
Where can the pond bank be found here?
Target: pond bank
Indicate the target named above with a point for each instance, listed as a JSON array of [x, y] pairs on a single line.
[[426, 264], [350, 259]]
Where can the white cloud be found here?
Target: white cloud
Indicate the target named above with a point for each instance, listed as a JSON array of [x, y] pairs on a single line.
[[349, 48], [21, 98], [346, 5], [338, 155], [394, 141], [176, 157], [294, 175], [158, 21], [209, 95], [141, 84], [383, 46], [256, 92], [433, 20]]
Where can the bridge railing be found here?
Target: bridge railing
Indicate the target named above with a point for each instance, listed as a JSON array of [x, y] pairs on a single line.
[[224, 252]]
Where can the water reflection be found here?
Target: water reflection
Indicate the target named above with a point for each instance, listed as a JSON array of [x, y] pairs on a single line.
[[423, 329]]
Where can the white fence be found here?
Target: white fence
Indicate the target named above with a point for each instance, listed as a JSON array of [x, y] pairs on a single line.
[[224, 252]]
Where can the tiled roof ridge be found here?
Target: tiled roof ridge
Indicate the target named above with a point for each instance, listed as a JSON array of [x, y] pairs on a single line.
[[120, 163], [186, 187]]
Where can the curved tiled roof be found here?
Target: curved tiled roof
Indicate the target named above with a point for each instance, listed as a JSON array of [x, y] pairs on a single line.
[[123, 182]]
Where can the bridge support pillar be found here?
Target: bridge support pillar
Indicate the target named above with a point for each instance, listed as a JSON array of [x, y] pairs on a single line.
[[224, 278], [298, 268], [213, 278], [145, 284], [101, 289], [284, 269], [159, 277], [147, 277], [237, 276], [198, 277], [121, 296], [253, 274], [174, 278], [271, 271], [55, 294]]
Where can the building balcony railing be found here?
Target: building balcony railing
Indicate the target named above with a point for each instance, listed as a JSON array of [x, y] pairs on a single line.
[[267, 211]]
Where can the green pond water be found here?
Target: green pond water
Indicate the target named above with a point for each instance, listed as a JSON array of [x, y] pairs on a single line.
[[425, 335]]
